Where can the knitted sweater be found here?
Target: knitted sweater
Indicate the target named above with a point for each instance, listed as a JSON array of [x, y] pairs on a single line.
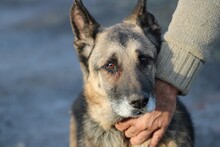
[[194, 28]]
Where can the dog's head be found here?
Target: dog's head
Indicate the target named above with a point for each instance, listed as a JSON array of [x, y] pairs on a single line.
[[118, 62]]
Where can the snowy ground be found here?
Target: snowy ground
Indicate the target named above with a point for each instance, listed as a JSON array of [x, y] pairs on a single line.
[[40, 75]]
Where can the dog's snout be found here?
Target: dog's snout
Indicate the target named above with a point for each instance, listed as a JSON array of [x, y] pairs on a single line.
[[139, 103]]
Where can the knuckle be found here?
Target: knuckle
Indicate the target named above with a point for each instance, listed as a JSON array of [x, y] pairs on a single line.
[[151, 129], [144, 136], [139, 127], [130, 133], [127, 134], [140, 138], [119, 128]]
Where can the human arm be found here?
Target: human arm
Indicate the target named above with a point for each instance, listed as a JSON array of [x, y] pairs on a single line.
[[187, 45]]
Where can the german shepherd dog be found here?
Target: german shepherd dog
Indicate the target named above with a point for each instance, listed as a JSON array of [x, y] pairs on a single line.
[[119, 65]]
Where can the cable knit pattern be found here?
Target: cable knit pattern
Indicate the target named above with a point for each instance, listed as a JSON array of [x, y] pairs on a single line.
[[194, 28]]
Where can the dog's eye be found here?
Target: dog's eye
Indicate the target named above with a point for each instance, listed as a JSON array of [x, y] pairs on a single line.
[[144, 60], [111, 67]]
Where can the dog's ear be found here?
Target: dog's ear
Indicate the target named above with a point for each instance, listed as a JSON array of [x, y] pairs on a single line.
[[85, 29], [141, 17]]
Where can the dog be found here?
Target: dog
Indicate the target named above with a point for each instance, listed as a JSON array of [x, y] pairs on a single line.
[[119, 65]]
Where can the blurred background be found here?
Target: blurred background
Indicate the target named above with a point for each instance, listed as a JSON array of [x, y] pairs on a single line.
[[40, 75]]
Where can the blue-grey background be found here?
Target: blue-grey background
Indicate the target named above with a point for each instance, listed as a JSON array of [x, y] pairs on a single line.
[[40, 74]]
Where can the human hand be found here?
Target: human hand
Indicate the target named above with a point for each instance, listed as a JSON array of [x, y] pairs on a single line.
[[152, 124]]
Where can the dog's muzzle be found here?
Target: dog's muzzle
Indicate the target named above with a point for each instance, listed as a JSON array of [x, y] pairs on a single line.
[[133, 106]]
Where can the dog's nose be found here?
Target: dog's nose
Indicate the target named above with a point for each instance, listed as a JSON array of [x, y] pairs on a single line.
[[139, 103]]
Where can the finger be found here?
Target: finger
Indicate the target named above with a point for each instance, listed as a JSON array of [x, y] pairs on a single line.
[[157, 137], [132, 131], [124, 125], [141, 137]]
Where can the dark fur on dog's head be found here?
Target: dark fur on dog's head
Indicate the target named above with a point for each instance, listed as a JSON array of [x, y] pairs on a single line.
[[118, 62]]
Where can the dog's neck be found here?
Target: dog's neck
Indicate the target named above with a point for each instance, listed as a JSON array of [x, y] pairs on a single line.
[[96, 136]]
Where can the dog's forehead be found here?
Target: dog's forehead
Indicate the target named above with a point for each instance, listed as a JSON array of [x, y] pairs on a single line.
[[123, 33], [125, 36]]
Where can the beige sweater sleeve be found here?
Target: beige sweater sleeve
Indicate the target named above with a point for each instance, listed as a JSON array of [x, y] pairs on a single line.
[[194, 28]]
